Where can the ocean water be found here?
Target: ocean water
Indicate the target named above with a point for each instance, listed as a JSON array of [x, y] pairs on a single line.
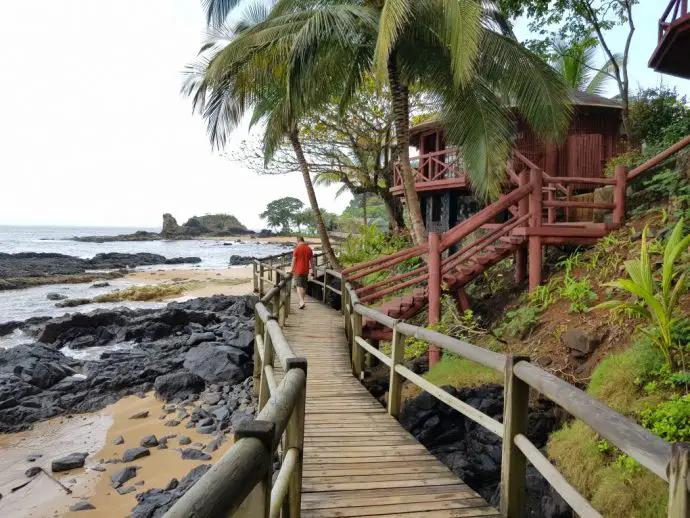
[[32, 302], [213, 253]]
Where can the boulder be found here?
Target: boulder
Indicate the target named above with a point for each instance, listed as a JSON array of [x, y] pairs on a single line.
[[218, 363], [197, 338], [579, 340], [122, 476], [118, 440], [194, 454], [178, 385], [55, 296], [140, 415], [135, 453], [72, 461], [183, 439], [149, 441], [84, 505], [33, 471]]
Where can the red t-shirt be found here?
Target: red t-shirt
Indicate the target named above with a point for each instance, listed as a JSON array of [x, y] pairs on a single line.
[[302, 255]]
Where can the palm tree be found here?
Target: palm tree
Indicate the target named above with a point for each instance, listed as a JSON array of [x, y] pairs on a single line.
[[223, 95], [575, 62], [458, 50]]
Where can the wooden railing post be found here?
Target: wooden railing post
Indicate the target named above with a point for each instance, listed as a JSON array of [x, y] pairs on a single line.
[[535, 243], [255, 278], [357, 351], [261, 279], [325, 283], [258, 502], [288, 295], [275, 303], [678, 473], [294, 438], [513, 462], [396, 380], [434, 291], [265, 391], [258, 363], [551, 211], [282, 305], [521, 253], [619, 194]]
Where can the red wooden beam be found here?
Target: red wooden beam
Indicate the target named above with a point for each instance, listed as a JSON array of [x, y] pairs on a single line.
[[659, 158], [374, 262], [393, 289], [579, 204]]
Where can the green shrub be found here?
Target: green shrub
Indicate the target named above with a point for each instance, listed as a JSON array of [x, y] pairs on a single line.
[[459, 372], [579, 292], [669, 420], [543, 296], [370, 244], [518, 322]]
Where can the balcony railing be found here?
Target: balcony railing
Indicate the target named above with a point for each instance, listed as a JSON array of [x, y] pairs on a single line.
[[676, 9], [432, 169]]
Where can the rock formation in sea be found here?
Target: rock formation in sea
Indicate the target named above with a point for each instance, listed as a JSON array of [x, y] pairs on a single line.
[[202, 346]]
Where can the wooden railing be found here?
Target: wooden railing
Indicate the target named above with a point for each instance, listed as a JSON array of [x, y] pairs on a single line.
[[241, 483], [431, 167], [676, 9], [669, 462]]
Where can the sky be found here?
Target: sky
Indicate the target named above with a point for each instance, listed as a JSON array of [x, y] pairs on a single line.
[[94, 132]]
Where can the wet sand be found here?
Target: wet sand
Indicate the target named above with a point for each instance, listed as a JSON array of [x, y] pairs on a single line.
[[94, 433], [224, 281]]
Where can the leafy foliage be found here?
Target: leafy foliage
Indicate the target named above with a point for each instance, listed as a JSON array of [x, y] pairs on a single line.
[[575, 61], [518, 322], [579, 292], [659, 116], [669, 420], [282, 212], [656, 301], [370, 244]]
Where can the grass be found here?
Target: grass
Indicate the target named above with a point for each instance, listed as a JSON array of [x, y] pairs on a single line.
[[460, 372], [148, 293]]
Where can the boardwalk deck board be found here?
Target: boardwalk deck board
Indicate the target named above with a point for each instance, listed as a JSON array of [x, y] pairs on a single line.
[[358, 460]]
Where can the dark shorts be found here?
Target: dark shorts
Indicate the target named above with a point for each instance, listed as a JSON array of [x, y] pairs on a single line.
[[301, 281]]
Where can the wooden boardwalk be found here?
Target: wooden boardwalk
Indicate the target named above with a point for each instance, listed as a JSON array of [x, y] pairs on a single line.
[[358, 460]]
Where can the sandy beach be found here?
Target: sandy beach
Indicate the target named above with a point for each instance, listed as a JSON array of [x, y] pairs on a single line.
[[224, 281], [93, 433]]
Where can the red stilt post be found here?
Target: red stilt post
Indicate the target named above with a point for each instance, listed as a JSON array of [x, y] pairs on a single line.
[[619, 193], [535, 245], [521, 253], [434, 291]]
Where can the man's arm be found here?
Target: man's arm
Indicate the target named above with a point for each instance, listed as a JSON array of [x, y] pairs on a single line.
[[292, 265]]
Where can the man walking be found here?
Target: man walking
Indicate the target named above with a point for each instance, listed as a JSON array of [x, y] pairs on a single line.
[[302, 257]]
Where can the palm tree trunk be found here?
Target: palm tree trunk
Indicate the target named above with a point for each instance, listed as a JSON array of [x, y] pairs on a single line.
[[364, 208], [394, 210], [304, 167], [401, 110]]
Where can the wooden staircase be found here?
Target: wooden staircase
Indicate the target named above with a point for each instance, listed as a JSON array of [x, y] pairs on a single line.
[[534, 214]]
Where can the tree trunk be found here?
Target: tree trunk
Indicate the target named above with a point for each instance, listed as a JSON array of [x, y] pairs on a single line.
[[393, 206], [401, 110], [364, 208], [304, 167]]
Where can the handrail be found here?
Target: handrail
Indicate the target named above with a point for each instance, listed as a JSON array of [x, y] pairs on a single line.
[[659, 158], [681, 10], [241, 482], [670, 464]]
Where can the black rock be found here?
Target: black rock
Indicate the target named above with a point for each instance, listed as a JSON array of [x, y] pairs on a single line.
[[122, 476], [149, 441], [126, 490], [172, 422], [103, 284], [84, 505], [194, 454], [72, 461], [135, 453], [118, 440], [140, 415], [178, 385], [33, 471], [33, 457], [197, 338], [183, 439], [55, 296], [171, 485]]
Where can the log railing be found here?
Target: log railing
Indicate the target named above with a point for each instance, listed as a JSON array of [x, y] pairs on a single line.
[[241, 483], [676, 9], [669, 462], [429, 167]]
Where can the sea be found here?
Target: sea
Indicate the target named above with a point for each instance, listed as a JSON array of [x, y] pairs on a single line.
[[32, 302]]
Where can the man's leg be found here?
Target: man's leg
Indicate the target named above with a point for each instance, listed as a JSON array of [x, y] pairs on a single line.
[[300, 295]]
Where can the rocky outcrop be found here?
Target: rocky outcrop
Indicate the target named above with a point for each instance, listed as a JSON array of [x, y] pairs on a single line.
[[474, 453], [32, 264], [171, 230], [38, 381]]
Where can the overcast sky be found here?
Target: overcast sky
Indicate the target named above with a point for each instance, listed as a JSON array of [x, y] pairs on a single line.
[[93, 130]]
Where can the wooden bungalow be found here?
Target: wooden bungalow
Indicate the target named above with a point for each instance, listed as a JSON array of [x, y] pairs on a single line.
[[593, 139], [672, 54]]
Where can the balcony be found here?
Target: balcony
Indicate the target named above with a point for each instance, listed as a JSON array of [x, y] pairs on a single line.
[[671, 54], [436, 171]]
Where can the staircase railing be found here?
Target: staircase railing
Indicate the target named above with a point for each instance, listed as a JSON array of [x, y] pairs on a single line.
[[669, 462], [241, 483], [676, 9]]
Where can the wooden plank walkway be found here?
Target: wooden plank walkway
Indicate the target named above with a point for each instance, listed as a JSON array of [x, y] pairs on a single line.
[[358, 460]]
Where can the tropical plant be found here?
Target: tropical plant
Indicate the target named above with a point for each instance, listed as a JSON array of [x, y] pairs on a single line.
[[230, 79], [575, 62], [460, 51], [657, 300], [281, 213]]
